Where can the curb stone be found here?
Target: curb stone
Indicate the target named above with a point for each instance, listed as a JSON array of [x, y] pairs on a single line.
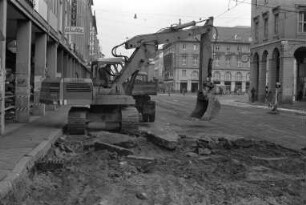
[[26, 163]]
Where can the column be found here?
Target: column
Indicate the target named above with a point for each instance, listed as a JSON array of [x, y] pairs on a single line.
[[74, 70], [3, 22], [253, 77], [287, 79], [262, 81], [65, 66], [51, 66], [243, 89], [233, 86], [60, 63], [39, 71], [23, 70], [272, 75], [52, 59], [70, 68]]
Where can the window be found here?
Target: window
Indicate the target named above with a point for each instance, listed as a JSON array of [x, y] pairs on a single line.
[[184, 59], [302, 21], [239, 63], [238, 48], [276, 23], [217, 76], [195, 75], [265, 28], [238, 76], [217, 60], [228, 76], [184, 73], [195, 47], [195, 60], [217, 47], [228, 48], [256, 29], [184, 46], [266, 24], [228, 61], [248, 77]]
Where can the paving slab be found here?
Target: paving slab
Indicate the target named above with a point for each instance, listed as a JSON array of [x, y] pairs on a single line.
[[23, 144], [161, 134]]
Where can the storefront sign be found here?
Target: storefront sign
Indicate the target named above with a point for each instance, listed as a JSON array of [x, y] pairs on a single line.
[[74, 9], [74, 30]]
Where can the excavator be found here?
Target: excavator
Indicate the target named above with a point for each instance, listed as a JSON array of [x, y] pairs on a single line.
[[107, 100]]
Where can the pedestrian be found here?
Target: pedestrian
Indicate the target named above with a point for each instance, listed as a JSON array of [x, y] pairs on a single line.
[[183, 91], [270, 98], [274, 109], [266, 93], [253, 94]]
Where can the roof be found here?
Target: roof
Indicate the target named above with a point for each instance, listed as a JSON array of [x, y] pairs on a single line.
[[234, 34], [241, 34]]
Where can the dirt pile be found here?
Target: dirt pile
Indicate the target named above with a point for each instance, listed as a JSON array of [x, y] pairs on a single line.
[[200, 171]]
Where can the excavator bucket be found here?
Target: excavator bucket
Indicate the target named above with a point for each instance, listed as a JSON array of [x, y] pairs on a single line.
[[201, 106], [213, 108]]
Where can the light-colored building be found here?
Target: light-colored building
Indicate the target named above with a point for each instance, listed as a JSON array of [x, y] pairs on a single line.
[[279, 48], [231, 65]]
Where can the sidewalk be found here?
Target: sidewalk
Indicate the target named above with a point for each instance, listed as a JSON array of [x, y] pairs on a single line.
[[243, 101], [22, 144]]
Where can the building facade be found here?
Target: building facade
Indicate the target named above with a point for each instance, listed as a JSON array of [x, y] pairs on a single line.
[[231, 65], [279, 48], [41, 39]]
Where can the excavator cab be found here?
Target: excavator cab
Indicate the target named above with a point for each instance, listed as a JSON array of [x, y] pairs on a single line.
[[105, 71]]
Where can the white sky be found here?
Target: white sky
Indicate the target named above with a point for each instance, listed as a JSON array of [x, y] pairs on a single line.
[[115, 18]]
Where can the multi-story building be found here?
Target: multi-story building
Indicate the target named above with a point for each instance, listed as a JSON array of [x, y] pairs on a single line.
[[279, 48], [231, 61], [181, 65], [231, 65], [94, 45], [42, 39]]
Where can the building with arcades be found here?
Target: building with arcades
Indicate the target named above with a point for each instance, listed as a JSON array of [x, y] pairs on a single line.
[[279, 48], [40, 39], [231, 65]]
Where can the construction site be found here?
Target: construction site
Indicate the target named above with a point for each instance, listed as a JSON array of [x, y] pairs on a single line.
[[156, 166], [101, 132]]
